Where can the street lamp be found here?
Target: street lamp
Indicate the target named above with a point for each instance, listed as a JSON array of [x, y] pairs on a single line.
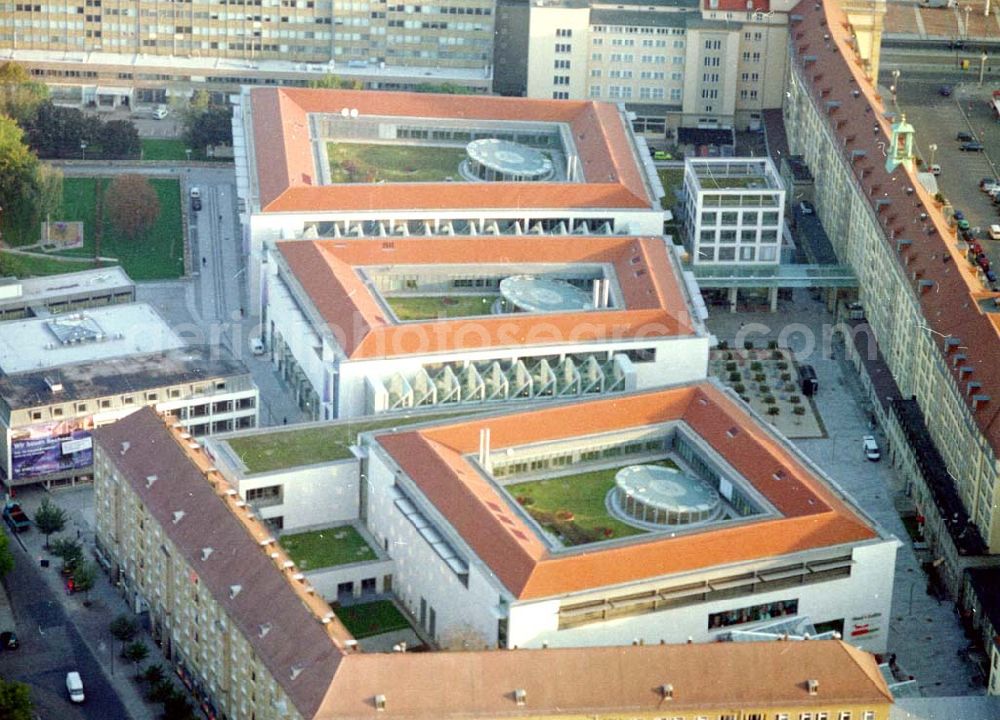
[[187, 151], [933, 148], [968, 9], [982, 66], [83, 149]]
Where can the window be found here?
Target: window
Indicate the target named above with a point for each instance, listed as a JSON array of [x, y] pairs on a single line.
[[747, 254], [564, 32], [560, 95], [560, 80], [57, 411], [562, 65], [844, 715], [105, 403], [563, 48], [868, 715], [271, 493], [595, 91], [709, 218], [596, 57], [81, 407], [675, 93], [768, 254], [805, 716], [753, 613]]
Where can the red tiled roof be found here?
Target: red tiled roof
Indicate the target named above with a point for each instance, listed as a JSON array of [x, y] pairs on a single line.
[[435, 458], [327, 271], [947, 287], [285, 163]]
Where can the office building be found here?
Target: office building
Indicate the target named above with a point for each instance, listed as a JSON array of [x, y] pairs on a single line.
[[248, 631], [63, 375]]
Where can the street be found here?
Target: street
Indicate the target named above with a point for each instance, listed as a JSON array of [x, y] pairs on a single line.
[[51, 646]]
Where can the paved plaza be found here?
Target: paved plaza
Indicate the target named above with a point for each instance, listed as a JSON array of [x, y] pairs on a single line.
[[924, 633]]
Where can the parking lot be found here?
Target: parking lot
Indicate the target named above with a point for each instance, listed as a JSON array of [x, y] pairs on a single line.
[[937, 120]]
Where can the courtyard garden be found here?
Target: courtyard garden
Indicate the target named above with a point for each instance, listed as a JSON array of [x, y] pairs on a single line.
[[374, 618], [431, 307], [158, 254], [573, 508], [372, 163], [767, 380], [328, 547]]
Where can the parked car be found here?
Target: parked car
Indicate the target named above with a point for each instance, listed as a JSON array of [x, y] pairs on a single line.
[[958, 215], [963, 224], [807, 380], [971, 147], [8, 640], [983, 262], [991, 277], [987, 184], [935, 169], [256, 346], [160, 112], [16, 518], [74, 686], [964, 136], [872, 451], [195, 198], [944, 91], [994, 232], [806, 208]]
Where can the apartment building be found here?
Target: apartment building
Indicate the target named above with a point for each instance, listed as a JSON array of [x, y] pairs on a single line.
[[326, 164], [688, 63], [733, 211], [64, 375], [930, 309], [254, 640], [362, 327], [115, 52]]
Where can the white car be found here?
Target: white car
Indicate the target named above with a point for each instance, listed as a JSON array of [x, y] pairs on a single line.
[[994, 232], [872, 451], [160, 112], [256, 346], [74, 686], [935, 169]]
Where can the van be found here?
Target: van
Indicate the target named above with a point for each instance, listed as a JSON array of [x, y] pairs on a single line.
[[994, 232], [808, 381], [74, 685], [160, 112]]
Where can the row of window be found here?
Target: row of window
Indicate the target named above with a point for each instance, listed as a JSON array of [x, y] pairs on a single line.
[[625, 92], [748, 253], [633, 30]]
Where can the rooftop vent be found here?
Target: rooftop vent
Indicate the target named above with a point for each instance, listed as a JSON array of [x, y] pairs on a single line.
[[54, 384], [379, 702], [263, 630], [296, 671], [520, 696], [813, 687], [266, 541], [231, 491], [125, 446], [150, 479], [667, 691], [732, 432], [234, 590], [327, 618], [288, 564], [206, 553], [178, 516]]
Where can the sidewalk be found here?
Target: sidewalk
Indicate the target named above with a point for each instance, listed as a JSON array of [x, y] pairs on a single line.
[[106, 603]]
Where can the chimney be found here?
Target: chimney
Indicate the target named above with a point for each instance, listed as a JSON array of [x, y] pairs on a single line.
[[178, 516], [150, 479], [379, 703], [813, 687], [125, 446], [520, 696], [667, 691], [234, 590], [263, 630], [206, 552]]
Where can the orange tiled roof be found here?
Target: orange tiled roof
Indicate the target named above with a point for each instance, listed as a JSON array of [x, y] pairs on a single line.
[[286, 173], [327, 272], [928, 251], [813, 516]]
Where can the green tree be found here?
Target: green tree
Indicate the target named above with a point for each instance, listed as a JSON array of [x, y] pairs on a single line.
[[212, 127], [178, 707], [445, 88], [69, 551], [49, 519], [123, 628], [135, 652], [20, 95], [153, 674], [15, 701], [18, 166], [119, 140], [132, 205], [6, 558], [84, 576], [335, 82]]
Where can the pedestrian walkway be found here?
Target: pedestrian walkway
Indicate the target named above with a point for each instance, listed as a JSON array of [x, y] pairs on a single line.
[[106, 603], [924, 633]]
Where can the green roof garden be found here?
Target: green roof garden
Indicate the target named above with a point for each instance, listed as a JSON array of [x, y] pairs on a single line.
[[325, 548], [572, 507], [392, 163], [430, 307], [374, 618], [295, 447]]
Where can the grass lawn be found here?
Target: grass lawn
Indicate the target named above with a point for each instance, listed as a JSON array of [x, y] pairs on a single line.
[[372, 618], [367, 162], [293, 448], [172, 149], [673, 180], [725, 183], [428, 308], [159, 255], [23, 266], [583, 495], [328, 547]]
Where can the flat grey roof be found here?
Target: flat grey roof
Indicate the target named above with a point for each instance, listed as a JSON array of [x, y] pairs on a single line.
[[36, 291], [641, 18], [116, 376], [100, 334]]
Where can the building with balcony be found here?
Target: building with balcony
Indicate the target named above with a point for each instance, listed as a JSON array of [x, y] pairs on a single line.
[[369, 326], [706, 64], [254, 639], [340, 163], [927, 304], [63, 375], [114, 53]]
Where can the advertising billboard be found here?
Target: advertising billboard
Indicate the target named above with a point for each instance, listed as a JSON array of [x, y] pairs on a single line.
[[51, 447]]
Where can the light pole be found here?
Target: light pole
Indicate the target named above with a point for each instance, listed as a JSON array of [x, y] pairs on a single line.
[[187, 151], [982, 65], [933, 148], [83, 149], [894, 88], [968, 9]]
